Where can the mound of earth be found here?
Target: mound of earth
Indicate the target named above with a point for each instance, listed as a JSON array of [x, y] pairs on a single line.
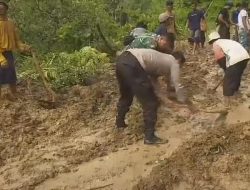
[[37, 143], [216, 160]]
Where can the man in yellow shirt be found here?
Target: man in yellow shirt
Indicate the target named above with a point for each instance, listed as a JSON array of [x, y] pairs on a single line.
[[9, 41]]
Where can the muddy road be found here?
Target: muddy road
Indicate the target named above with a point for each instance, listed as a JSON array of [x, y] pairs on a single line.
[[75, 146]]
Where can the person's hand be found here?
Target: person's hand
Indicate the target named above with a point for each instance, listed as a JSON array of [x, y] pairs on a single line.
[[170, 89], [27, 50], [171, 96], [4, 64]]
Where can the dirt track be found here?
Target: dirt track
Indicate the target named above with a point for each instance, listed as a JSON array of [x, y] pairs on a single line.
[[75, 146]]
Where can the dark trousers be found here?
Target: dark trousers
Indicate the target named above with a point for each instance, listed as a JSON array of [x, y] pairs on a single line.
[[232, 77], [172, 38], [133, 81], [8, 74], [224, 31]]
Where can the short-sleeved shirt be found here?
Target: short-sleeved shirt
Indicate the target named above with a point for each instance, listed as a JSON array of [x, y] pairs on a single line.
[[232, 50], [194, 19], [225, 14], [243, 13]]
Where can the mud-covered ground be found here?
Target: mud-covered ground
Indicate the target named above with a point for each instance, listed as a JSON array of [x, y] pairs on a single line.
[[216, 160], [73, 145]]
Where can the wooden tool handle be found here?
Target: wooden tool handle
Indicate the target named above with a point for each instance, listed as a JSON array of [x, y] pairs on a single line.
[[49, 90], [215, 88]]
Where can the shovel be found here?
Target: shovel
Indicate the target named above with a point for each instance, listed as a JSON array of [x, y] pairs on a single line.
[[212, 91], [50, 102]]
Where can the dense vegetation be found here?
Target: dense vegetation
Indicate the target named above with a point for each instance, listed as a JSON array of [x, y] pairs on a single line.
[[59, 29]]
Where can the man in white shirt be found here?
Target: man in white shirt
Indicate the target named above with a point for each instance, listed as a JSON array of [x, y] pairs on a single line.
[[244, 26], [134, 70], [233, 58]]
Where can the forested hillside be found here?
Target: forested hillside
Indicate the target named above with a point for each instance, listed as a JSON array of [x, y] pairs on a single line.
[[68, 25]]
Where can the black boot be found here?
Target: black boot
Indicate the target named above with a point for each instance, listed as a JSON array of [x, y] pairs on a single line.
[[120, 123], [154, 140], [122, 109]]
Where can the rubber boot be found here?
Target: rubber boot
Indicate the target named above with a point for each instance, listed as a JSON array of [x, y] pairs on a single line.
[[150, 118], [154, 140]]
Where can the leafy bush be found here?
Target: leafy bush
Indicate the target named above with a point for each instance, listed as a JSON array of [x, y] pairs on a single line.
[[67, 69]]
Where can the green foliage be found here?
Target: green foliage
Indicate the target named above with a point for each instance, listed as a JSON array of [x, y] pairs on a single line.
[[58, 30], [63, 25], [68, 25], [67, 69]]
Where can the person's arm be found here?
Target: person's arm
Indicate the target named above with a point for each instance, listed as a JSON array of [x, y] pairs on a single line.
[[188, 20], [232, 18], [3, 60], [170, 87], [245, 21], [218, 52], [203, 22], [187, 24], [221, 19], [219, 56], [175, 80], [175, 25], [22, 47]]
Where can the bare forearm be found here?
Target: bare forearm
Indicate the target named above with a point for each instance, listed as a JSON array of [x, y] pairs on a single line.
[[222, 20]]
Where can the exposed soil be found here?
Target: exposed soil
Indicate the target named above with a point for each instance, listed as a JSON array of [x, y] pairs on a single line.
[[218, 160], [73, 145]]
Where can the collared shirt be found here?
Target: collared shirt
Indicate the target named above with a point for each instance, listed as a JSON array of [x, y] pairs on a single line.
[[232, 50], [159, 64]]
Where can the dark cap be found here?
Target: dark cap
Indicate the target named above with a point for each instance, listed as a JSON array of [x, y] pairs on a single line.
[[4, 3], [169, 3]]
